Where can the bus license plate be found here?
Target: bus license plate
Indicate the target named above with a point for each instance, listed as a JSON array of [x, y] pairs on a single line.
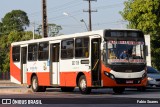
[[129, 81]]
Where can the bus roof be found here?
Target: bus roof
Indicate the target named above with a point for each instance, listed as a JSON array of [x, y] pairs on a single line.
[[61, 37]]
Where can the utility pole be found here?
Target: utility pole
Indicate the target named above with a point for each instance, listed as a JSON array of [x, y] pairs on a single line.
[[90, 11], [44, 19]]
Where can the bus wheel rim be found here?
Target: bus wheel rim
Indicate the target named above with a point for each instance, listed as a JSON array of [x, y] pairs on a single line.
[[35, 84], [83, 84]]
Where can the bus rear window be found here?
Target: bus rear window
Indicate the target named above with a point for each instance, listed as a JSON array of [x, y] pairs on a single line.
[[16, 54]]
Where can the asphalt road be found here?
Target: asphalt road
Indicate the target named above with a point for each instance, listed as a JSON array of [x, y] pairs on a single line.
[[98, 97]]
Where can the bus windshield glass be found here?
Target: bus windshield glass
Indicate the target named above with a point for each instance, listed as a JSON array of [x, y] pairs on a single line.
[[119, 52]]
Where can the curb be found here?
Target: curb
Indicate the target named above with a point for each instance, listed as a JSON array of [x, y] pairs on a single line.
[[7, 87]]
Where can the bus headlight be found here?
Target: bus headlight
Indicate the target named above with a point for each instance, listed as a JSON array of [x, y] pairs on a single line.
[[106, 73], [109, 75], [112, 76]]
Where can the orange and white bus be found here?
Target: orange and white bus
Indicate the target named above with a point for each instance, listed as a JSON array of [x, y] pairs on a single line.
[[87, 60]]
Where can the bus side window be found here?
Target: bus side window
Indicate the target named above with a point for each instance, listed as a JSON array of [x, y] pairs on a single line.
[[67, 48], [82, 47], [43, 51], [32, 52], [16, 53]]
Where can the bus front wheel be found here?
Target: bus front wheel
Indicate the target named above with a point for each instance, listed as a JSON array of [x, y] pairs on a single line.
[[83, 85], [118, 90]]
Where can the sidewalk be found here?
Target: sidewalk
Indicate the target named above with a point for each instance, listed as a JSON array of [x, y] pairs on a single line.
[[7, 87]]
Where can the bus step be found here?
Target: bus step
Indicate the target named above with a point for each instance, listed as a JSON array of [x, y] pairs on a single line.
[[96, 83]]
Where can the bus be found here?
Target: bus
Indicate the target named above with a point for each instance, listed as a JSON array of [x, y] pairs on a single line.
[[86, 60]]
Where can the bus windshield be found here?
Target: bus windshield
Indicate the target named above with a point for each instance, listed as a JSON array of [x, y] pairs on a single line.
[[125, 52]]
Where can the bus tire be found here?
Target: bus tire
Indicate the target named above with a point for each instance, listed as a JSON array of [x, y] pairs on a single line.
[[67, 89], [82, 84], [35, 87], [118, 90]]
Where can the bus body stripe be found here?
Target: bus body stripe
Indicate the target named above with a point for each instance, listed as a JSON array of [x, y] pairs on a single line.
[[69, 78], [43, 78], [14, 70], [66, 78]]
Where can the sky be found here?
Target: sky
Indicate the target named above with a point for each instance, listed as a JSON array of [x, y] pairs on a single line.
[[107, 15]]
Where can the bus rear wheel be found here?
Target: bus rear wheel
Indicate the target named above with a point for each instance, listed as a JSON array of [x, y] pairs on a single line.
[[83, 85], [118, 90], [67, 89], [35, 86]]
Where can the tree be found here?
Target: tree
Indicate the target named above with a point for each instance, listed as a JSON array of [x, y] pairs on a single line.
[[53, 29], [145, 15], [4, 54], [1, 28], [15, 20], [5, 43]]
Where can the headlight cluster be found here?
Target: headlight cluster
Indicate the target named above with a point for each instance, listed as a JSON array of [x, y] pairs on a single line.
[[109, 75], [151, 79]]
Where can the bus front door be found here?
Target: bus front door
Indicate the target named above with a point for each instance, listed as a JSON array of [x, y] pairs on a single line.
[[55, 63], [95, 59], [23, 65]]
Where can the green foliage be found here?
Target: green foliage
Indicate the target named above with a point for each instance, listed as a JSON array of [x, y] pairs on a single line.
[[3, 53], [1, 28], [53, 29], [5, 43], [16, 20], [145, 15]]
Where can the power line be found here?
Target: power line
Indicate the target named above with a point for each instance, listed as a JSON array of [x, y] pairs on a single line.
[[57, 8], [61, 17], [77, 11]]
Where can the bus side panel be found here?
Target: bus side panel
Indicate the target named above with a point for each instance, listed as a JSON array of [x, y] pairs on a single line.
[[88, 78], [69, 78], [15, 71], [43, 78], [29, 74]]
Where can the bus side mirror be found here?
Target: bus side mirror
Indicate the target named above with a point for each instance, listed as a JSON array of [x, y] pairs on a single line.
[[146, 50]]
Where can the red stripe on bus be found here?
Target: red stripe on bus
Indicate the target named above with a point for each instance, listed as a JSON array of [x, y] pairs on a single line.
[[66, 78], [69, 78], [14, 70], [43, 78]]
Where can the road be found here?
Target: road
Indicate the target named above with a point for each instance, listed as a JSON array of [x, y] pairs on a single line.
[[99, 97]]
